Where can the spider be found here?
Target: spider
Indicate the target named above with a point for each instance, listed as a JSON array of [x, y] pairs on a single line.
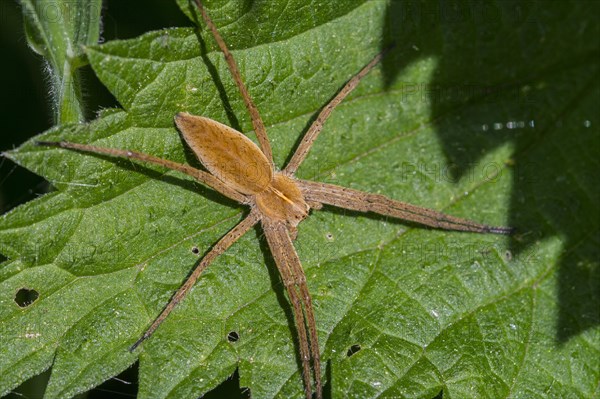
[[244, 172]]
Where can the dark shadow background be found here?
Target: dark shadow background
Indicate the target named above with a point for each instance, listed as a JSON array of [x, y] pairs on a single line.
[[502, 65], [524, 73]]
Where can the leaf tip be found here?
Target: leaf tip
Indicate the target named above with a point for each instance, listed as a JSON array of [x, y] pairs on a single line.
[[7, 154]]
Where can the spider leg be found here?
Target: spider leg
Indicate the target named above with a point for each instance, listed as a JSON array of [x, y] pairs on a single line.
[[257, 123], [221, 246], [355, 200], [289, 267], [200, 175], [313, 131], [300, 281]]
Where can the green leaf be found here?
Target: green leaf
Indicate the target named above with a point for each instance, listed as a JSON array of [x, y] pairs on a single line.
[[58, 30], [486, 112]]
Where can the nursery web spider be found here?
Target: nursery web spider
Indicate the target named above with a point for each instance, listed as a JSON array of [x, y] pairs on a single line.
[[244, 172]]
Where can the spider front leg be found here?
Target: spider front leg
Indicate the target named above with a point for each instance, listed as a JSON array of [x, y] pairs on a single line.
[[313, 131], [257, 123], [361, 201], [200, 175]]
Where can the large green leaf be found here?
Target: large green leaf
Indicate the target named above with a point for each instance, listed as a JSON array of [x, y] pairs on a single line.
[[483, 112]]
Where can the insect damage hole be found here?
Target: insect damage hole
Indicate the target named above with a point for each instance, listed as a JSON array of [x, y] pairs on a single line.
[[233, 336], [25, 297], [195, 250], [353, 349]]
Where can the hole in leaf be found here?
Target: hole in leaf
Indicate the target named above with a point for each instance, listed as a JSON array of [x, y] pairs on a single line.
[[233, 336], [195, 250], [353, 349], [25, 297]]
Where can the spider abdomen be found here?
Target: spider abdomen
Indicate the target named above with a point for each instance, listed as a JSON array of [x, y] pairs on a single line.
[[229, 155]]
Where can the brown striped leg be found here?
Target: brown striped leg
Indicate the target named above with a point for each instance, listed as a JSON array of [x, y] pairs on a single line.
[[313, 131], [293, 277], [221, 246], [355, 200], [200, 175], [259, 126]]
